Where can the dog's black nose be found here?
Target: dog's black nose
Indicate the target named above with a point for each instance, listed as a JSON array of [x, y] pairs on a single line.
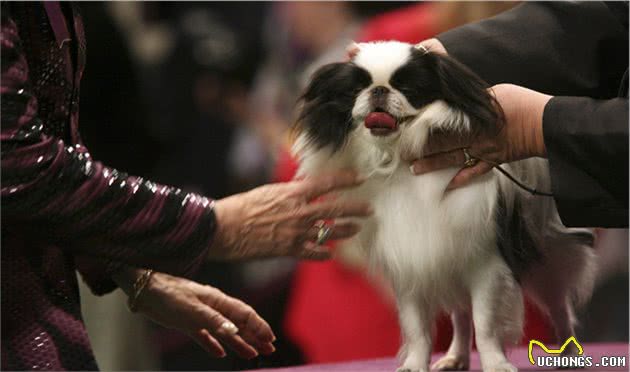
[[380, 91]]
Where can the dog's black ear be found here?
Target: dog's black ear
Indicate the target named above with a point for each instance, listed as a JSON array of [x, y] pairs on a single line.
[[326, 110], [430, 76], [463, 89]]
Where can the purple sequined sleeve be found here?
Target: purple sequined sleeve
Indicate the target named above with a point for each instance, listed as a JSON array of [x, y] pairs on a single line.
[[54, 189]]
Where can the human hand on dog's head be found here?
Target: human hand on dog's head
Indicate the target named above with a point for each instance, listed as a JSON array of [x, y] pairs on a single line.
[[520, 137], [431, 45]]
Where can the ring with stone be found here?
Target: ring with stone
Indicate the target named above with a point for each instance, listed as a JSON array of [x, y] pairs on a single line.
[[229, 328], [469, 160], [323, 232]]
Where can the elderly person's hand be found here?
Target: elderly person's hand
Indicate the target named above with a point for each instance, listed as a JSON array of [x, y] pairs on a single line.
[[280, 219], [204, 313]]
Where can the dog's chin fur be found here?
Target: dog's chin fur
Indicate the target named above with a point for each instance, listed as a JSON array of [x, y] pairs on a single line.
[[471, 251]]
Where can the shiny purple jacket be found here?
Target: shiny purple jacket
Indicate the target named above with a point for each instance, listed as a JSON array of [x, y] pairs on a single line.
[[63, 211]]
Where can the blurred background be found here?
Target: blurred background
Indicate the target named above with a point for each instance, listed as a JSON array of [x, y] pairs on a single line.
[[201, 95]]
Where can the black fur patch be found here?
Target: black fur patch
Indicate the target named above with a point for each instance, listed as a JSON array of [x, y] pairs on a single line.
[[326, 114], [514, 241], [516, 245], [427, 77]]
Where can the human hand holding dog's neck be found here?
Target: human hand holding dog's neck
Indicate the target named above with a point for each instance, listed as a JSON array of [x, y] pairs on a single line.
[[520, 137]]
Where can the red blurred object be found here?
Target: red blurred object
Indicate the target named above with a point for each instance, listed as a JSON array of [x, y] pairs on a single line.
[[334, 313], [410, 24]]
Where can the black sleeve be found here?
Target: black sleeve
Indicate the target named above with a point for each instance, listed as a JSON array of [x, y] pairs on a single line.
[[587, 147], [572, 50], [561, 48]]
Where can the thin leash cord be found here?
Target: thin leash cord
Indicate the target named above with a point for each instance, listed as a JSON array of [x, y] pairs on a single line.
[[498, 167]]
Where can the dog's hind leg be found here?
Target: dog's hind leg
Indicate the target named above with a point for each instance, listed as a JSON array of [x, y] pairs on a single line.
[[497, 313], [415, 321], [563, 280], [561, 313], [457, 357]]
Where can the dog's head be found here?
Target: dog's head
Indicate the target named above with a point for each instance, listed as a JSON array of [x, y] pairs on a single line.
[[388, 87]]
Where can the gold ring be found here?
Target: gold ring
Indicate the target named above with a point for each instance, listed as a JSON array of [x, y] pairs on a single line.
[[229, 328], [470, 161], [421, 48], [323, 233]]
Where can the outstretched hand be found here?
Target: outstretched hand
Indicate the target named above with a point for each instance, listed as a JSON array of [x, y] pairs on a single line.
[[209, 316], [280, 219]]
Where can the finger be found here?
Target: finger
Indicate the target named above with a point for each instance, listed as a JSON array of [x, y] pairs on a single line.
[[245, 318], [338, 231], [466, 175], [333, 210], [252, 328], [455, 158], [351, 51], [232, 340], [312, 251], [208, 343], [434, 46], [312, 188], [264, 348]]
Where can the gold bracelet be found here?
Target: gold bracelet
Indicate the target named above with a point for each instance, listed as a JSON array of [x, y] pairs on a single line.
[[138, 287]]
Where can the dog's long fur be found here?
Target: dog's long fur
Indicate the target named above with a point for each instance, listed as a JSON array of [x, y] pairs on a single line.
[[471, 251]]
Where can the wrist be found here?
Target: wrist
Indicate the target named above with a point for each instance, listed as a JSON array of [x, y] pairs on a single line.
[[126, 277], [537, 146], [226, 233], [219, 232], [134, 282]]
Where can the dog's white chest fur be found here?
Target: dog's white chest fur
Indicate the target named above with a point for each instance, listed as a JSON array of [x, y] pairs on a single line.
[[426, 243]]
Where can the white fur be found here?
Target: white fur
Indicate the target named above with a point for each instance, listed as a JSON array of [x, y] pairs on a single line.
[[381, 58], [439, 249]]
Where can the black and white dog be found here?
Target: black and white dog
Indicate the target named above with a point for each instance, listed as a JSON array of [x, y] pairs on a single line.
[[472, 251]]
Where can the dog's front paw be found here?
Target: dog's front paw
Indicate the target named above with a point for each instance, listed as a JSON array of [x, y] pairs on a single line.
[[452, 363], [502, 367]]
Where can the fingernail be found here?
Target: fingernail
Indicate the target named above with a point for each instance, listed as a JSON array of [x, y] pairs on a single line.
[[265, 340]]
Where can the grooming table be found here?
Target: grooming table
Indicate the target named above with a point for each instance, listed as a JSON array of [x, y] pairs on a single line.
[[518, 356]]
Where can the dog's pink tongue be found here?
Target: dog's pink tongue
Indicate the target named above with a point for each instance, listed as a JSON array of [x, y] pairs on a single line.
[[380, 120]]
